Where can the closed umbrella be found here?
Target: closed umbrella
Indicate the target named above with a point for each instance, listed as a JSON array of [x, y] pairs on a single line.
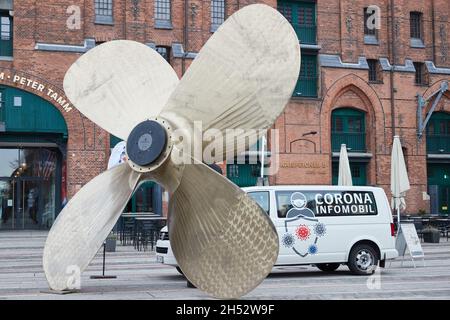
[[345, 175], [399, 178]]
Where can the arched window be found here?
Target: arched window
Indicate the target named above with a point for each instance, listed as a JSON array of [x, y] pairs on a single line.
[[348, 126]]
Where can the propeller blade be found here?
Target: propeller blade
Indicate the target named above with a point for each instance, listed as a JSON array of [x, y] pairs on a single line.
[[120, 83], [223, 241], [243, 76], [85, 222]]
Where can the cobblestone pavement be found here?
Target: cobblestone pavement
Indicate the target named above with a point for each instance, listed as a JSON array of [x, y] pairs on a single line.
[[139, 276]]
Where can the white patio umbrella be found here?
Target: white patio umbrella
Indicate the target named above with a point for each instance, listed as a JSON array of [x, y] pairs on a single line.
[[399, 178], [345, 175]]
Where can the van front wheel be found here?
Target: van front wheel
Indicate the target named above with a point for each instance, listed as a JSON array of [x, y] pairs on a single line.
[[363, 260], [328, 267]]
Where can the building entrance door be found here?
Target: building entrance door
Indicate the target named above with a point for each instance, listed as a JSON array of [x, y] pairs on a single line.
[[29, 209], [21, 204], [30, 187], [439, 187]]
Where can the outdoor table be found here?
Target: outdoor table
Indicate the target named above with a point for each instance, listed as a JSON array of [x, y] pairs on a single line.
[[138, 214], [145, 232]]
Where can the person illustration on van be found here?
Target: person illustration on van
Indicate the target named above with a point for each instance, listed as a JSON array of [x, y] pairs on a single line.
[[299, 209]]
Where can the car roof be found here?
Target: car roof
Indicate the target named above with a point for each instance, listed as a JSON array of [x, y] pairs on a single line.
[[311, 187]]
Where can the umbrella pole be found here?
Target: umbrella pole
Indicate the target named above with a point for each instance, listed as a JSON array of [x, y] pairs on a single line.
[[398, 218]]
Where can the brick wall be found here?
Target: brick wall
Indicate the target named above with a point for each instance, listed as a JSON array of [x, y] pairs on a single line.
[[339, 32]]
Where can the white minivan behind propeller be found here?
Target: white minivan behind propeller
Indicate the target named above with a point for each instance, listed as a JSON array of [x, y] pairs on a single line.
[[325, 226]]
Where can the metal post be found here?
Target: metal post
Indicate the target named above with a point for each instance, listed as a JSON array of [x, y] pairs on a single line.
[[103, 276], [104, 257], [263, 140]]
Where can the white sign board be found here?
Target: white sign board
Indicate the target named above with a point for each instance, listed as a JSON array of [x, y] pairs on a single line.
[[10, 203], [407, 238], [118, 155]]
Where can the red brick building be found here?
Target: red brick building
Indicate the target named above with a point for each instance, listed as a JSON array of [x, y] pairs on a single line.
[[357, 85]]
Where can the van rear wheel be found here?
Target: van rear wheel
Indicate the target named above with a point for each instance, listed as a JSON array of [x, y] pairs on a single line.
[[363, 259], [328, 267]]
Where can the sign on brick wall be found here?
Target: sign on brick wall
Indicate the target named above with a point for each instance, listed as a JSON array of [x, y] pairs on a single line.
[[37, 86]]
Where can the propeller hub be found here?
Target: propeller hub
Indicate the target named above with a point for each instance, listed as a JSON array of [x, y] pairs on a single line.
[[146, 142]]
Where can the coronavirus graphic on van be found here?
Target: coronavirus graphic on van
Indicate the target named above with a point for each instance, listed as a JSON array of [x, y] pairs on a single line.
[[320, 229], [288, 240], [303, 232]]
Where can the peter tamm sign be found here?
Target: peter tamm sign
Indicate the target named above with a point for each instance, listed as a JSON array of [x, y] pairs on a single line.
[[39, 87]]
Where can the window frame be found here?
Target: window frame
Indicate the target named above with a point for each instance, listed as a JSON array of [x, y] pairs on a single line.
[[268, 200], [8, 52], [163, 14], [101, 18], [166, 56], [417, 27], [217, 7], [420, 76], [304, 76], [374, 66]]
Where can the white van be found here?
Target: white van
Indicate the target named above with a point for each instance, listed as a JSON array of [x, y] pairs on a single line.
[[322, 225]]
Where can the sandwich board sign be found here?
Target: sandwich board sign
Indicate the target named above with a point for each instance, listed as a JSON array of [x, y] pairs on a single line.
[[407, 238]]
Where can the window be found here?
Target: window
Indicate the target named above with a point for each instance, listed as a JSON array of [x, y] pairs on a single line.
[[142, 200], [358, 170], [373, 70], [311, 204], [164, 52], [348, 127], [233, 171], [243, 175], [370, 32], [307, 81], [262, 199], [438, 133], [302, 16], [163, 14], [6, 34], [104, 11], [217, 13], [420, 77], [17, 101], [415, 21]]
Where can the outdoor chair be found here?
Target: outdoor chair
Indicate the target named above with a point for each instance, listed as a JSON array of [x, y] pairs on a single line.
[[419, 228], [127, 231]]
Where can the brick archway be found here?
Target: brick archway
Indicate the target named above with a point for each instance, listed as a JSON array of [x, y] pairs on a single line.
[[371, 104], [87, 145], [354, 92]]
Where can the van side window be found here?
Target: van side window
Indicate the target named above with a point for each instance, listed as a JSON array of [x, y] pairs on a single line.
[[326, 203], [262, 199], [286, 201]]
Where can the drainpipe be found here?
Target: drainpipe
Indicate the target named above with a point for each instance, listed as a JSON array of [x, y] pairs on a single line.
[[394, 62], [185, 38], [433, 28]]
